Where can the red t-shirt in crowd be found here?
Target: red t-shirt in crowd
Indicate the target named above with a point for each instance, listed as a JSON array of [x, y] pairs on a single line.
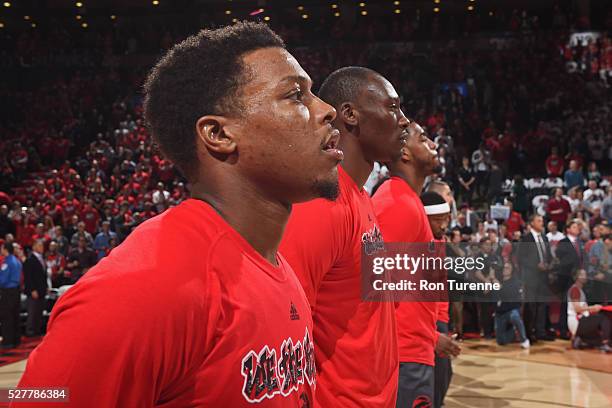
[[514, 223], [554, 165], [356, 347], [184, 313], [24, 234], [562, 204], [90, 217], [402, 218], [70, 207]]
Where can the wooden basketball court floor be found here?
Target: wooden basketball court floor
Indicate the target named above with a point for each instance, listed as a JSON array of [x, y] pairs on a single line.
[[550, 374]]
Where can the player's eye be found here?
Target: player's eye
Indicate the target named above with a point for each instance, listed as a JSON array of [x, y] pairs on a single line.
[[296, 95]]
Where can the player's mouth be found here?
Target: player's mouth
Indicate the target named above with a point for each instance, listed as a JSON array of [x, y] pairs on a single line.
[[404, 136], [330, 145]]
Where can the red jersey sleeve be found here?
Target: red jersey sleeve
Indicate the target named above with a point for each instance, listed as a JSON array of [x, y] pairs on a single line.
[[130, 348], [314, 239]]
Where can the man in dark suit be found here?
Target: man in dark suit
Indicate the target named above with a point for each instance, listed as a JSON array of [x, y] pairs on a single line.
[[35, 282], [570, 253], [535, 259]]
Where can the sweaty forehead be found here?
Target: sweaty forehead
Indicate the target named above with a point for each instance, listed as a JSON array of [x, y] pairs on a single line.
[[379, 88], [269, 67]]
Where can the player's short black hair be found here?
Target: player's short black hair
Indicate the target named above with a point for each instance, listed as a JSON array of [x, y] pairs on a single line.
[[344, 85], [199, 76], [432, 198]]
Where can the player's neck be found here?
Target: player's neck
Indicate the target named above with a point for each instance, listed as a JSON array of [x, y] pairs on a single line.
[[355, 164], [257, 218], [414, 179]]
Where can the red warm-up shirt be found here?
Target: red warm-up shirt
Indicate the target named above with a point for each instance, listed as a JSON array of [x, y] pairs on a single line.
[[402, 218], [442, 315], [355, 341], [184, 313]]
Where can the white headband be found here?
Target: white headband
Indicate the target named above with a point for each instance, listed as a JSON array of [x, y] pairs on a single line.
[[437, 209]]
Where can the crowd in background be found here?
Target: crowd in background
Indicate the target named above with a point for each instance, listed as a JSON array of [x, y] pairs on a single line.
[[78, 170]]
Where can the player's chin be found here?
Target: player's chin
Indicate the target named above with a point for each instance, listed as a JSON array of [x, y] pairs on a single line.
[[327, 188], [317, 184]]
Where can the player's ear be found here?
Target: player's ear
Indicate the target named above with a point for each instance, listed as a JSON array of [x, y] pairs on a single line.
[[406, 154], [214, 133], [348, 114]]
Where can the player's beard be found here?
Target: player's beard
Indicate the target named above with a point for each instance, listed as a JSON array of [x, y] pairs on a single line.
[[327, 189], [437, 169]]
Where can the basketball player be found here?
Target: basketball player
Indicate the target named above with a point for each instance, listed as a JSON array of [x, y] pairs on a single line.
[[438, 210], [403, 219], [355, 342], [196, 308]]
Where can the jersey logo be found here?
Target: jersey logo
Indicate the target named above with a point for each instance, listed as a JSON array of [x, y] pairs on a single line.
[[422, 401], [267, 374], [372, 241], [293, 313]]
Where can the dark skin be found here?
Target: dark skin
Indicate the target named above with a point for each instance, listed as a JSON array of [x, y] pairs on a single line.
[[438, 224], [418, 160], [373, 128], [446, 345], [254, 164]]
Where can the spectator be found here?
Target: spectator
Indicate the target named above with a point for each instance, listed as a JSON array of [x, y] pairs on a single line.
[[10, 301], [81, 233], [573, 176], [90, 216], [56, 266], [492, 268], [508, 310], [606, 206], [570, 253], [161, 197], [466, 179], [72, 227], [535, 262], [515, 221], [575, 199], [6, 224], [463, 227], [593, 173], [490, 223], [480, 161], [35, 282], [553, 236], [586, 322], [41, 234], [496, 179], [593, 197], [554, 163], [521, 199], [80, 259], [103, 239], [558, 208], [600, 268], [62, 242]]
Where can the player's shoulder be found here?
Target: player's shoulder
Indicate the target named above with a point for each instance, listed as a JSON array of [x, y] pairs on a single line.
[[396, 194], [176, 241]]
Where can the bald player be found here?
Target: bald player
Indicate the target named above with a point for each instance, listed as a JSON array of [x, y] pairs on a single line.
[[355, 342]]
